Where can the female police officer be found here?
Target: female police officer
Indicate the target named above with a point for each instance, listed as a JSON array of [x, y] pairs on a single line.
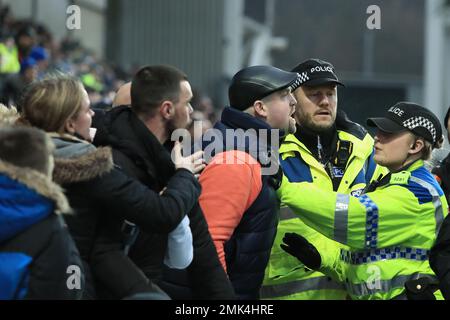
[[391, 228]]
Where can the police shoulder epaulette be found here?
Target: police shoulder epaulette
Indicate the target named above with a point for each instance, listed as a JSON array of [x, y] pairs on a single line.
[[400, 177], [288, 154]]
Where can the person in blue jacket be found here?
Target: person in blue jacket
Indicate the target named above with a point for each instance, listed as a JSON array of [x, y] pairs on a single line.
[[38, 258]]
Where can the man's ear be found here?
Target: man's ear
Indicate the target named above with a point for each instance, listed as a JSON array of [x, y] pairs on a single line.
[[260, 109], [417, 147], [167, 110]]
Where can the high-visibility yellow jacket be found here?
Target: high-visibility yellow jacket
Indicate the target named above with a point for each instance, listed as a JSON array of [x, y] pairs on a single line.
[[285, 277], [389, 232], [9, 59]]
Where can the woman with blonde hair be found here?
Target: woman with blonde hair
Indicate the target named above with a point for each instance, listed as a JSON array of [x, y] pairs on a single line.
[[100, 193]]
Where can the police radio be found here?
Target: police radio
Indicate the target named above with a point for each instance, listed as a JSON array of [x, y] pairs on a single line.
[[343, 151]]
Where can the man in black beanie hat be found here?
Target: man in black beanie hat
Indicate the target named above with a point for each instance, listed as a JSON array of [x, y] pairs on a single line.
[[238, 198], [333, 153]]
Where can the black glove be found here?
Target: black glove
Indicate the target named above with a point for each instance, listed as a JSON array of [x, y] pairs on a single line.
[[304, 251], [421, 289]]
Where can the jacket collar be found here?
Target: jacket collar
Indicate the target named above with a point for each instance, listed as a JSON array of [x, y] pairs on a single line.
[[413, 166], [404, 174], [241, 131], [345, 129], [123, 130], [78, 161], [235, 119], [291, 144]]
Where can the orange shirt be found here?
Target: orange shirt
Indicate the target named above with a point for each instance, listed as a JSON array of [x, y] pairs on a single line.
[[230, 185]]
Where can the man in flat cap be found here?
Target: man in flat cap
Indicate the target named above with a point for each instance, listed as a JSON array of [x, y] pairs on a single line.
[[336, 155], [238, 197]]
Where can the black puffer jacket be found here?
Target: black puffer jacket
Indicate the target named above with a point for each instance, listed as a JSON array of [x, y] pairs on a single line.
[[440, 253], [141, 155], [38, 258], [103, 196], [440, 258]]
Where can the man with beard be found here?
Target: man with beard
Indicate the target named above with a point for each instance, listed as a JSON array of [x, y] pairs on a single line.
[[333, 153], [160, 104], [238, 185]]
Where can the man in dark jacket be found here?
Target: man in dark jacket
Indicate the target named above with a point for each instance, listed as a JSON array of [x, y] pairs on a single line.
[[102, 197], [440, 253], [38, 258], [160, 104], [238, 196]]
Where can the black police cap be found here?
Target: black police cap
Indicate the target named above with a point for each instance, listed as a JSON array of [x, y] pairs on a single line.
[[316, 72], [410, 116]]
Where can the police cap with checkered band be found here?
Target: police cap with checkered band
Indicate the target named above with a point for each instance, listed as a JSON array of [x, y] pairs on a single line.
[[316, 72], [410, 116], [257, 82]]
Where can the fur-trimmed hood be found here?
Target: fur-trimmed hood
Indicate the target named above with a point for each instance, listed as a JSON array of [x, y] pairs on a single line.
[[8, 116], [26, 197], [78, 161], [39, 183]]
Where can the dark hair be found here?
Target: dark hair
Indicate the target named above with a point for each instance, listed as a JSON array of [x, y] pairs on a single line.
[[153, 85], [26, 147], [447, 116]]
